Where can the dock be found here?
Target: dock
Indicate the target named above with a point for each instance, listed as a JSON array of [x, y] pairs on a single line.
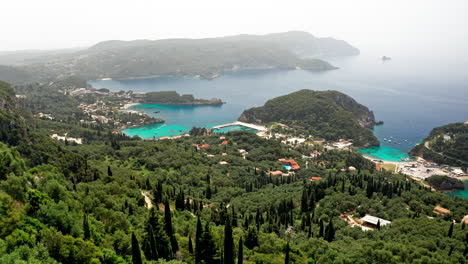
[[238, 123]]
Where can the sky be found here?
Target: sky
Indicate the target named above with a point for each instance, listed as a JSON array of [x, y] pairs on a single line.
[[374, 25]]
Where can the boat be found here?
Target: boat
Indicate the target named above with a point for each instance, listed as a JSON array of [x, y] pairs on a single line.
[[157, 112]]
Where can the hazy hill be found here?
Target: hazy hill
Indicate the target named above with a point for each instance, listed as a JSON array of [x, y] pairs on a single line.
[[328, 114], [191, 57]]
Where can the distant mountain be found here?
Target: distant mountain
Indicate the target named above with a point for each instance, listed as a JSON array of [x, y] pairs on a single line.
[[445, 145], [327, 114], [192, 57], [24, 57]]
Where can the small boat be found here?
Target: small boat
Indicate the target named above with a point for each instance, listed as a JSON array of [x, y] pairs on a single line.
[[157, 112]]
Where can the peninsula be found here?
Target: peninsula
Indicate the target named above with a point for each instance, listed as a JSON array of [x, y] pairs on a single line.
[[322, 114]]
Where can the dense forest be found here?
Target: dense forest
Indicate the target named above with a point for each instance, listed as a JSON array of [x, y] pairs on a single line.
[[445, 145], [326, 114], [117, 199]]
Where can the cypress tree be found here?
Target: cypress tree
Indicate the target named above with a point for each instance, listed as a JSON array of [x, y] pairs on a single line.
[[109, 171], [378, 224], [208, 192], [463, 226], [240, 252], [136, 254], [321, 228], [286, 257], [168, 226], [450, 232], [198, 243], [86, 229], [152, 242], [190, 245], [228, 242], [330, 232], [208, 247]]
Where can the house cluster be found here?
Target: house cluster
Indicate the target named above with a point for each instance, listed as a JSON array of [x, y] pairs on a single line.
[[83, 91], [94, 107], [312, 155], [100, 118], [342, 144], [44, 116], [68, 139], [423, 169]]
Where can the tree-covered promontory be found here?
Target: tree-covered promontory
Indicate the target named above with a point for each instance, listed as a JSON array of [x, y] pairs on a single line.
[[326, 114]]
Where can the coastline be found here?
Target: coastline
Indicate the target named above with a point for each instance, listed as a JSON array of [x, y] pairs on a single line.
[[217, 74]]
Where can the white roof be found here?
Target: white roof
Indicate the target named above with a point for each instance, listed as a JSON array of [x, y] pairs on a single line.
[[374, 220]]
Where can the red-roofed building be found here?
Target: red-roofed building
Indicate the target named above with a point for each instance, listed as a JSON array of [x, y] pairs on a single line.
[[291, 163], [377, 167], [224, 142], [204, 146], [315, 178]]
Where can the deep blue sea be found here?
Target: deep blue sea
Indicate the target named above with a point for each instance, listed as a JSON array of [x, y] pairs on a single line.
[[410, 94]]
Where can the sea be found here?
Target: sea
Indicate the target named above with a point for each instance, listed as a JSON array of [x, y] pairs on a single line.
[[411, 94]]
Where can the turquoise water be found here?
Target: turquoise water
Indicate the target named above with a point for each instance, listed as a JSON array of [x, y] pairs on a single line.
[[385, 153], [234, 128], [460, 193], [287, 167], [411, 95]]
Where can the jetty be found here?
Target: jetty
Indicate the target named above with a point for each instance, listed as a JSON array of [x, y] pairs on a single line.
[[238, 123]]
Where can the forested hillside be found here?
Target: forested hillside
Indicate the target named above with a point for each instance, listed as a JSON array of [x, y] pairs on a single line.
[[116, 199], [445, 145], [176, 57], [327, 114]]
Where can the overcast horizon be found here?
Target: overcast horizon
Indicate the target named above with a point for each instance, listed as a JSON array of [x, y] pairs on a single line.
[[410, 26]]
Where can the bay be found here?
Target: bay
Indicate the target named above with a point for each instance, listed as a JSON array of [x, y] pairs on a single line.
[[411, 95]]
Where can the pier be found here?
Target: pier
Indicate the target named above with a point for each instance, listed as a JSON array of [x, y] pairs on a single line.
[[238, 123]]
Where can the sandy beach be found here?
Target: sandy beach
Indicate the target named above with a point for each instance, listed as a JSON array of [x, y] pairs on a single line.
[[127, 106]]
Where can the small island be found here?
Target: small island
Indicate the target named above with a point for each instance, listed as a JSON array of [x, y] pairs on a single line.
[[174, 98]]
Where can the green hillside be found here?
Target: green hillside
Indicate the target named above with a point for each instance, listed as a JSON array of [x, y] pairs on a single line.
[[327, 114]]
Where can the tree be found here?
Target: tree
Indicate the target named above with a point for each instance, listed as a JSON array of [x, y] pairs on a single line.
[[378, 224], [207, 246], [168, 226], [86, 229], [286, 257], [152, 242], [136, 254], [450, 232], [228, 242], [240, 252], [190, 245], [109, 171], [330, 235], [251, 240], [321, 228], [198, 243]]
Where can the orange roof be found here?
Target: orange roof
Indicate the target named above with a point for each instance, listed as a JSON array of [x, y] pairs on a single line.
[[315, 178], [291, 163], [441, 210], [224, 142], [276, 173], [377, 167], [204, 146]]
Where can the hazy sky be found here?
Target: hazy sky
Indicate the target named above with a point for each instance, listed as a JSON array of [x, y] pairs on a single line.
[[368, 24]]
